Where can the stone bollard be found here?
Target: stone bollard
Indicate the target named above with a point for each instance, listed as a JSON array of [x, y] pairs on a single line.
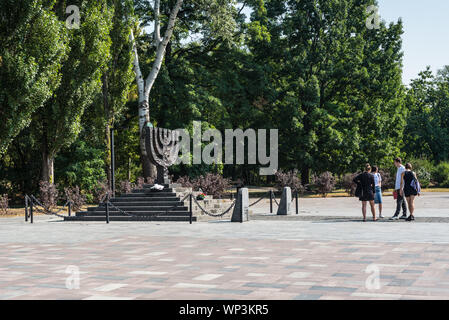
[[240, 213], [286, 200]]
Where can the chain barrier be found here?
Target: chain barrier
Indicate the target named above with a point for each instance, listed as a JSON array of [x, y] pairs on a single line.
[[179, 204], [118, 209], [46, 211], [274, 198], [256, 202], [214, 215]]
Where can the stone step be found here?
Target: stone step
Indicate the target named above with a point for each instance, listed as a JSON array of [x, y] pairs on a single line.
[[148, 195], [127, 218], [139, 209], [145, 199], [146, 203], [133, 213], [147, 190], [149, 186]]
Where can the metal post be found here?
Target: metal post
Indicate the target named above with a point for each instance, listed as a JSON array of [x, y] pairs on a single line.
[[112, 163], [107, 211], [26, 208], [296, 202], [271, 201], [70, 208], [31, 211], [191, 212]]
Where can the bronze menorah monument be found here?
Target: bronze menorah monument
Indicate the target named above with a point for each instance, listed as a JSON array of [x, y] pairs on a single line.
[[162, 146]]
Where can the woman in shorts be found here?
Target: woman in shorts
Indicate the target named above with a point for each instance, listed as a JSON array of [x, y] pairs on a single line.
[[408, 191], [378, 189]]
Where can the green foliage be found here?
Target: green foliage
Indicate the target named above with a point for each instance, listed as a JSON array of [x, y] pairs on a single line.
[[58, 123], [33, 47], [309, 68], [441, 174], [427, 131], [81, 165]]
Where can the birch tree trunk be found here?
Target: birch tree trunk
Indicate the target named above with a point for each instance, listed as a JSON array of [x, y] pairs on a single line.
[[144, 86]]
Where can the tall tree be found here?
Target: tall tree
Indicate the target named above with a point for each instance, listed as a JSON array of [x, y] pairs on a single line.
[[33, 46], [427, 130], [58, 123], [144, 86], [338, 83], [203, 26], [118, 75]]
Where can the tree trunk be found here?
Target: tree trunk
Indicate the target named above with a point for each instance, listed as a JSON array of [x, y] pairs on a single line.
[[107, 160], [47, 160], [144, 86], [48, 167], [305, 176], [107, 113]]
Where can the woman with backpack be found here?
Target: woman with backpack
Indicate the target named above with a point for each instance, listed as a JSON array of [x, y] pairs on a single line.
[[365, 190], [410, 188]]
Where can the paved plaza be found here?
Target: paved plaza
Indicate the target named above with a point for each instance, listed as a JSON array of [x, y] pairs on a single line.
[[267, 258]]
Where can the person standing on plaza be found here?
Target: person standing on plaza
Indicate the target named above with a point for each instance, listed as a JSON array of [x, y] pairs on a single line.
[[400, 202], [378, 186], [410, 189], [366, 185]]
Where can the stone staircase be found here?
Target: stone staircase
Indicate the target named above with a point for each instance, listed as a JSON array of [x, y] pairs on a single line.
[[141, 205]]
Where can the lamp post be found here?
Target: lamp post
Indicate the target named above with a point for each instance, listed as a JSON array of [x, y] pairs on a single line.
[[112, 163]]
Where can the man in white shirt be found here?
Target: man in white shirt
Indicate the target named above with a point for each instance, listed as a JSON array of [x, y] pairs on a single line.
[[400, 202]]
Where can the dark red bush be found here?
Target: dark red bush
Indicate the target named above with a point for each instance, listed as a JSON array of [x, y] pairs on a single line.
[[4, 204], [49, 194], [76, 197], [324, 183], [348, 183], [126, 186], [211, 184], [140, 182], [102, 190], [289, 179]]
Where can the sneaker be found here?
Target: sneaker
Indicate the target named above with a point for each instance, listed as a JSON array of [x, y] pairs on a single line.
[[410, 218], [395, 217], [404, 216], [381, 217]]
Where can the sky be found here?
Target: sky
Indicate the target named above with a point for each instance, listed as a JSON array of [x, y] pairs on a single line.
[[426, 33]]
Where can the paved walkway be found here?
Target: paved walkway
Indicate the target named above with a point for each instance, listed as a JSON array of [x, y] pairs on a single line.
[[322, 259]]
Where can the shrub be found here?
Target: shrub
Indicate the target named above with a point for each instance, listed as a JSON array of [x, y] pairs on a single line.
[[126, 186], [4, 204], [185, 182], [48, 194], [289, 179], [150, 180], [324, 183], [101, 191], [140, 182], [424, 176], [348, 183], [212, 184], [441, 173], [387, 180], [74, 195]]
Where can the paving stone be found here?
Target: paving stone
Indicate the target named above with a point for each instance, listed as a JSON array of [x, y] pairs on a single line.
[[266, 285], [305, 296], [336, 289], [343, 275], [401, 282], [229, 291]]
